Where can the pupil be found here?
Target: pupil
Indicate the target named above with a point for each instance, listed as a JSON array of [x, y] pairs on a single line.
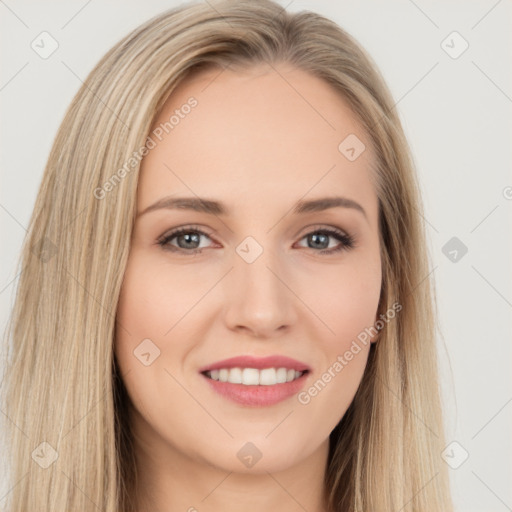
[[188, 238], [316, 237]]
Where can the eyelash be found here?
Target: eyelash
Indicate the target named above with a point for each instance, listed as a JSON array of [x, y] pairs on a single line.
[[347, 241]]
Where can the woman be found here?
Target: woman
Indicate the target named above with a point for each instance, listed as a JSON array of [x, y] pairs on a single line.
[[286, 358]]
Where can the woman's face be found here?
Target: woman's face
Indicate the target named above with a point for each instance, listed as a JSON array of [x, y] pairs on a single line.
[[261, 270]]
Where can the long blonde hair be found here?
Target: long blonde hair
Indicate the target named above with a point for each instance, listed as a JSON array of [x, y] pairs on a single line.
[[62, 385]]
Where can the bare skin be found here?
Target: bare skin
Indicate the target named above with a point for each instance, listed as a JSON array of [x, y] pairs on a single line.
[[258, 145]]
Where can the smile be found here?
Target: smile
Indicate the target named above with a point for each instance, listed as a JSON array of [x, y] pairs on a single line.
[[254, 377]]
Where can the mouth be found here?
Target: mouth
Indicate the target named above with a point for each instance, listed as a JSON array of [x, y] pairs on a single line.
[[256, 382], [254, 376]]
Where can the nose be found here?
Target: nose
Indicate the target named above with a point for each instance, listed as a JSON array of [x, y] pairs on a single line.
[[260, 300]]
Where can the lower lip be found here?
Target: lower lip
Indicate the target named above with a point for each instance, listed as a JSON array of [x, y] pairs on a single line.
[[258, 396]]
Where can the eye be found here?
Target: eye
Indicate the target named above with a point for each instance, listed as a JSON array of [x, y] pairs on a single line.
[[320, 240], [188, 240]]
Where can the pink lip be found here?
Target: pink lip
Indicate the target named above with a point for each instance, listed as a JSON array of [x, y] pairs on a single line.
[[259, 396], [259, 363]]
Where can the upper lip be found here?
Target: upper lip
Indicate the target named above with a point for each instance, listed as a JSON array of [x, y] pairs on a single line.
[[259, 363]]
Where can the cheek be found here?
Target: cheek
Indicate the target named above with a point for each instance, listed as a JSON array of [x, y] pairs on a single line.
[[153, 300], [354, 310], [348, 306], [139, 313], [155, 316], [147, 310], [346, 303], [143, 314]]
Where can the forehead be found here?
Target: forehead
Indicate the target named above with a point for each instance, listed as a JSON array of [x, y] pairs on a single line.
[[258, 133]]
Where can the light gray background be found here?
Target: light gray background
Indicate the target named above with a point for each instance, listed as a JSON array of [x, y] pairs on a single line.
[[457, 116]]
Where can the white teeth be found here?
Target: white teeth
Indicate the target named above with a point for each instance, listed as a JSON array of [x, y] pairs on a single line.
[[250, 376], [268, 377], [235, 376], [254, 377], [281, 375]]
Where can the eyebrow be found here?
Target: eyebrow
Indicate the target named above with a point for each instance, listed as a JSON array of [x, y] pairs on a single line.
[[217, 208]]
